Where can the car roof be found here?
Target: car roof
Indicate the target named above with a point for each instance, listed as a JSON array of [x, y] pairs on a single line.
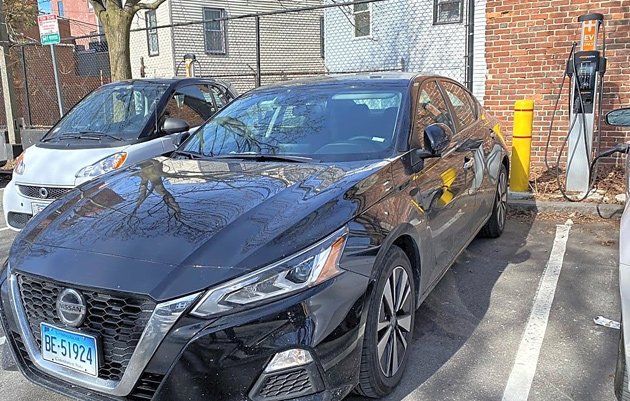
[[173, 82], [386, 78]]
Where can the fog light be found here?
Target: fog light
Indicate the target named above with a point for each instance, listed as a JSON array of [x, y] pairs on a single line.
[[289, 359]]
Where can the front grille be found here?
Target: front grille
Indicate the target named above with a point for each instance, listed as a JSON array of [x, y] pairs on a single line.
[[32, 191], [117, 320], [22, 349], [146, 387], [286, 385], [18, 220]]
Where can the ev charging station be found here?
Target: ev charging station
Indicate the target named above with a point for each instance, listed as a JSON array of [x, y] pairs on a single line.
[[586, 69]]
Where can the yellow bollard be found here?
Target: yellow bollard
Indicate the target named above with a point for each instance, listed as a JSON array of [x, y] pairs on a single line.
[[521, 144]]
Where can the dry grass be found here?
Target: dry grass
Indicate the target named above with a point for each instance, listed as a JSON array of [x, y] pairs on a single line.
[[610, 182]]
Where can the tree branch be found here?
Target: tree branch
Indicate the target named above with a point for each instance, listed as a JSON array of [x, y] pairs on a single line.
[[148, 6], [98, 7]]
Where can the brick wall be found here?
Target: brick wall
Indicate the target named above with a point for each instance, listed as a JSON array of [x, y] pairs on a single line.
[[527, 44]]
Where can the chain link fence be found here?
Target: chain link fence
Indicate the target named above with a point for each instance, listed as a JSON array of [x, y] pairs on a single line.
[[250, 49]]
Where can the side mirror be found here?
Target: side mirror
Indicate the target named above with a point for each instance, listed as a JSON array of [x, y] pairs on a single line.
[[437, 137], [174, 126], [619, 117]]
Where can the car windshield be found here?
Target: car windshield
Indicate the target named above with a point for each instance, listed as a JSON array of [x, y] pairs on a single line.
[[324, 123], [110, 113]]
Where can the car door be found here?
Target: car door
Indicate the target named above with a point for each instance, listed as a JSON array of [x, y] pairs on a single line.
[[441, 185], [191, 103], [472, 139]]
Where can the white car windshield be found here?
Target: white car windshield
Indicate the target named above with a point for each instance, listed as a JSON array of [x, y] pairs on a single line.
[[110, 113]]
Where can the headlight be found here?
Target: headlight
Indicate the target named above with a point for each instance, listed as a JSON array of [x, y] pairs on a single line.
[[106, 165], [19, 164], [305, 269]]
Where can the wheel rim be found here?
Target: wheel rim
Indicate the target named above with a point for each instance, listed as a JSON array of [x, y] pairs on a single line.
[[502, 198], [394, 322]]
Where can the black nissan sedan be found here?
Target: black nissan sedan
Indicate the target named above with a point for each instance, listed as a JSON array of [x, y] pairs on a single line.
[[279, 254]]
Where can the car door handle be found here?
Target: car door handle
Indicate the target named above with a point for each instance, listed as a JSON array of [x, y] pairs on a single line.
[[469, 162]]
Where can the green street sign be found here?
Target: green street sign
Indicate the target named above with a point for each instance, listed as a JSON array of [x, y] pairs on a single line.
[[51, 39]]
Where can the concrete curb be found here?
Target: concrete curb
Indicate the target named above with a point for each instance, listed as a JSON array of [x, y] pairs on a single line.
[[586, 208]]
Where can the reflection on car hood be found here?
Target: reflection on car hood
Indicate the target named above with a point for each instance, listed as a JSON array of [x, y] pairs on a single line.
[[47, 166], [167, 219]]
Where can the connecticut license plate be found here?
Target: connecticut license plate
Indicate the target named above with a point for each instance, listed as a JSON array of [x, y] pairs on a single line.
[[38, 207], [72, 350]]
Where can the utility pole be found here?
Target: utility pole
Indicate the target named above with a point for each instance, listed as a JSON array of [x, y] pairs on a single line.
[[8, 89]]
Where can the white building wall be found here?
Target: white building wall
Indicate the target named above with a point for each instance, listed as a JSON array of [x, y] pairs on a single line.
[[403, 34], [290, 43], [158, 66], [480, 68]]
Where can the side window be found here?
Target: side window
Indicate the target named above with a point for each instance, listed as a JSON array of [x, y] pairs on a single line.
[[192, 103], [431, 109], [219, 97], [463, 105]]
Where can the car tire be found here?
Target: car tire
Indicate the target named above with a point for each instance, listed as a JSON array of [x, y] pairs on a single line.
[[621, 372], [389, 327], [494, 227]]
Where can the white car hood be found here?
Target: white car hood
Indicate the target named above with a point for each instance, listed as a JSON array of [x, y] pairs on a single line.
[[58, 167]]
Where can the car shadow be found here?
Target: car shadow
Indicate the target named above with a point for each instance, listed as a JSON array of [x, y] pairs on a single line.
[[455, 308]]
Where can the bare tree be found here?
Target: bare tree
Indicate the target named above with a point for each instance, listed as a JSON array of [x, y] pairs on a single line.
[[116, 19]]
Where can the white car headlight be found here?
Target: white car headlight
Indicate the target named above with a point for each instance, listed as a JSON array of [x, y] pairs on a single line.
[[305, 269], [103, 166], [19, 165]]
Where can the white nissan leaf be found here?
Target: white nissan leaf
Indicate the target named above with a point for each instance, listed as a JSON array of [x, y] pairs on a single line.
[[115, 126]]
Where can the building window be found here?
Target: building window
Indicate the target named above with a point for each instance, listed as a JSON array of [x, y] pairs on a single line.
[[448, 11], [152, 33], [214, 30], [362, 19], [60, 10]]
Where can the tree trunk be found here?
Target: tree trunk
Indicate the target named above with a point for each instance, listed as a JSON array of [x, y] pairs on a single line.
[[117, 24]]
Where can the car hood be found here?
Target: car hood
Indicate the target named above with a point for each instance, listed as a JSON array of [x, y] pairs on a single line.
[[58, 167], [168, 227]]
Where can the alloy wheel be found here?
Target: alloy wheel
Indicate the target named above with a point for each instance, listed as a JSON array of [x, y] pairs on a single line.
[[394, 322]]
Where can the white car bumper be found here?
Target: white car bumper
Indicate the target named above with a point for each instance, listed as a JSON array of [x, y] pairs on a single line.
[[21, 204]]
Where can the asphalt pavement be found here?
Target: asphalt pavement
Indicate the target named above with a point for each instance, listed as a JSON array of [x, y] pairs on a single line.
[[488, 312]]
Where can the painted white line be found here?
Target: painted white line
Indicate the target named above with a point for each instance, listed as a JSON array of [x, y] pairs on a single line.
[[3, 340], [524, 369], [4, 228]]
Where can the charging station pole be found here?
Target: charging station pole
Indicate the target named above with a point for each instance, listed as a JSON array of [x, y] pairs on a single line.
[[585, 68]]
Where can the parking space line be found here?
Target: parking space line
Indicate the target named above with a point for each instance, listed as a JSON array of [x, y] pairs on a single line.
[[524, 369]]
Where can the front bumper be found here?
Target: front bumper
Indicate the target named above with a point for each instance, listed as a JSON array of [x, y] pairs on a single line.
[[224, 359], [19, 209]]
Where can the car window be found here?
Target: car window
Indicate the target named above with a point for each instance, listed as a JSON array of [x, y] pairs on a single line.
[[462, 104], [431, 109], [329, 123], [192, 103], [219, 96]]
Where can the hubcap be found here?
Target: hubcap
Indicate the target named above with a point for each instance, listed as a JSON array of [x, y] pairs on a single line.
[[394, 322], [502, 198]]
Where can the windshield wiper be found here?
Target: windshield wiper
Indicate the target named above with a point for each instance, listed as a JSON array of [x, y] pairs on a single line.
[[98, 135], [190, 155], [89, 135], [266, 157]]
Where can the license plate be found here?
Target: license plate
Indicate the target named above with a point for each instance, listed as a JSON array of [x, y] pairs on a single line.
[[73, 350], [38, 207]]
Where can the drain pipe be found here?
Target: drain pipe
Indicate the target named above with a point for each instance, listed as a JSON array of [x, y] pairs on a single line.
[[470, 44]]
